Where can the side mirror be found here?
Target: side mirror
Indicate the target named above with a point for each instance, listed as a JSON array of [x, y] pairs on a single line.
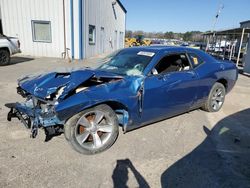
[[154, 71]]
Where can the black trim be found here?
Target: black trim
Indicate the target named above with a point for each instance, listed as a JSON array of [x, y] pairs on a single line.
[[121, 5], [1, 27]]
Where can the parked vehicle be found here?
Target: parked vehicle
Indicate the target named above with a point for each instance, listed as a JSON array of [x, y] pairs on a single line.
[[129, 42], [138, 40], [141, 41], [8, 47], [134, 87]]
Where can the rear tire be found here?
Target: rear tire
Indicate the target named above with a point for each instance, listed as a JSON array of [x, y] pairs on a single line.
[[216, 98], [4, 57], [93, 130]]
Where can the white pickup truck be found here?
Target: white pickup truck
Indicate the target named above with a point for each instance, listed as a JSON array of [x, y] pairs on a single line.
[[8, 47]]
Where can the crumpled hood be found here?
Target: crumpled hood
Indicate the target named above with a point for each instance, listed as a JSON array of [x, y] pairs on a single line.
[[44, 85]]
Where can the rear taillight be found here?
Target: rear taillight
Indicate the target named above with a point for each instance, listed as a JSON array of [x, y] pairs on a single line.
[[18, 44]]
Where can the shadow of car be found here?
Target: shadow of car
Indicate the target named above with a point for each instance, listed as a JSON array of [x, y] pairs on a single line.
[[221, 160], [19, 59]]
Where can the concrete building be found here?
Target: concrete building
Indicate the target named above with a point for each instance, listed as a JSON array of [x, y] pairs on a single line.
[[55, 28]]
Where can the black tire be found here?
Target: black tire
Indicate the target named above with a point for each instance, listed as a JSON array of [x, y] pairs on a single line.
[[216, 98], [4, 57], [87, 131]]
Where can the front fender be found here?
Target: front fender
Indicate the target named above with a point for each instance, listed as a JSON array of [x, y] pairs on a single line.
[[72, 106], [123, 92], [78, 103]]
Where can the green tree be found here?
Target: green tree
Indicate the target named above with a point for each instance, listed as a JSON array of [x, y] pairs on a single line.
[[129, 34], [169, 35], [187, 36]]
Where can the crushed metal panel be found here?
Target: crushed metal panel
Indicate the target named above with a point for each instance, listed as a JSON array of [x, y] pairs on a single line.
[[113, 91], [43, 85]]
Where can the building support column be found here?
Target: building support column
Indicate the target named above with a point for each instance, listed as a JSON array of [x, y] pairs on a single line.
[[72, 29], [241, 40], [225, 48], [219, 52], [247, 59], [80, 4]]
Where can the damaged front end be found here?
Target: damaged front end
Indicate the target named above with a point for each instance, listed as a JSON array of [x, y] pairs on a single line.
[[43, 93], [35, 113]]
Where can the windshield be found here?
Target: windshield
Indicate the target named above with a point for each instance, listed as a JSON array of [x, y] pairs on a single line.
[[127, 62]]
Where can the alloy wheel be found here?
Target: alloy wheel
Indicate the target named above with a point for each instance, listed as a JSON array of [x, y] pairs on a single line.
[[218, 98], [93, 129]]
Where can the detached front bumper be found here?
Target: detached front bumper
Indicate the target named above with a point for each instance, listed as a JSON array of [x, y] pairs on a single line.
[[19, 112], [33, 117]]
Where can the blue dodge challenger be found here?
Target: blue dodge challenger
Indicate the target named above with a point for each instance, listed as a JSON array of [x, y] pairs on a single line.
[[132, 88]]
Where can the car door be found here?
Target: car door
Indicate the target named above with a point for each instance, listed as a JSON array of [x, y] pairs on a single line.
[[168, 93]]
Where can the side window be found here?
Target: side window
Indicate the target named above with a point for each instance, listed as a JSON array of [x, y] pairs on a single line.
[[196, 60], [172, 63]]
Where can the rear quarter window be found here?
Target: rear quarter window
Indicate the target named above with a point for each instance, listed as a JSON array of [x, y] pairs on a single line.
[[196, 60]]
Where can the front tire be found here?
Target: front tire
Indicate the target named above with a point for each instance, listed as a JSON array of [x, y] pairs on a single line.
[[93, 130], [4, 57], [216, 98]]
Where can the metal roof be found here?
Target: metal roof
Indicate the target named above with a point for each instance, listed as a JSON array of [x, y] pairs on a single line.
[[248, 21], [234, 31]]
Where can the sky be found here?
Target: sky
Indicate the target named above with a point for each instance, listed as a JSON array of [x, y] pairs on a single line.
[[184, 15]]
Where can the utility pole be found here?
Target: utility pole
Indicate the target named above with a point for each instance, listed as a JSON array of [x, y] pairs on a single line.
[[214, 24]]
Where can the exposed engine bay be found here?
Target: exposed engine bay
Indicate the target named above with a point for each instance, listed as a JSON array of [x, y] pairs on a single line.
[[38, 111]]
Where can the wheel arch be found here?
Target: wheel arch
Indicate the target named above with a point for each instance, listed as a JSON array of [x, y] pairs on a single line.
[[5, 48], [224, 82], [121, 111]]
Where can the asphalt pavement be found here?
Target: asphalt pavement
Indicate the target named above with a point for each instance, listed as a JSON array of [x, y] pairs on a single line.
[[196, 149]]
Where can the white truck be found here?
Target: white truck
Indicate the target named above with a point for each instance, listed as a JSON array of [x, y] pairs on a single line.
[[8, 47]]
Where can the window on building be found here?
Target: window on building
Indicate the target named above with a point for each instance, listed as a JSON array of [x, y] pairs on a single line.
[[92, 34], [41, 31]]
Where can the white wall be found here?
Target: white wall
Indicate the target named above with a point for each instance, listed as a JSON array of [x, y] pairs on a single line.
[[17, 16], [100, 14]]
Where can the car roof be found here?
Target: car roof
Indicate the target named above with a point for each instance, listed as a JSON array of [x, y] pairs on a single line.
[[161, 48]]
